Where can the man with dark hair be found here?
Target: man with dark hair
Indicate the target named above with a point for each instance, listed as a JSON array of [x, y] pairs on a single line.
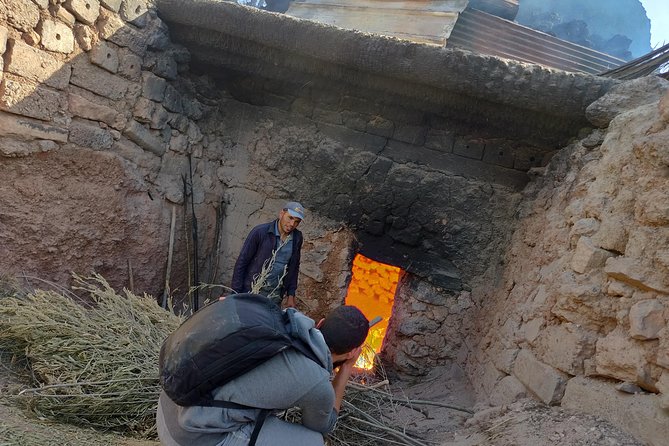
[[344, 329], [277, 246], [289, 379]]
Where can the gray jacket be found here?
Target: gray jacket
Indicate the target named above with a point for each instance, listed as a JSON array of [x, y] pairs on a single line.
[[287, 380]]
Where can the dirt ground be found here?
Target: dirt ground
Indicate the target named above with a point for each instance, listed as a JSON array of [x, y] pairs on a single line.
[[528, 423], [525, 423]]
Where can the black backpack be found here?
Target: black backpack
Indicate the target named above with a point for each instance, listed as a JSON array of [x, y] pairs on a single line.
[[220, 342]]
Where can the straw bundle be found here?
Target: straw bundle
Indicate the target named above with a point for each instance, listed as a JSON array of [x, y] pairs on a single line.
[[93, 363]]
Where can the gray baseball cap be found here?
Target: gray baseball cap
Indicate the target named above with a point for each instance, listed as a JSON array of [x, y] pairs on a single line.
[[295, 209]]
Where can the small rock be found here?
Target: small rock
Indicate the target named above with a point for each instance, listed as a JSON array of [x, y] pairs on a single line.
[[31, 38], [646, 319], [628, 387], [594, 139], [84, 36]]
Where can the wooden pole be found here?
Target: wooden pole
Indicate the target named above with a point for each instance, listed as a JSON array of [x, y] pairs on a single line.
[[169, 257], [132, 279], [195, 304]]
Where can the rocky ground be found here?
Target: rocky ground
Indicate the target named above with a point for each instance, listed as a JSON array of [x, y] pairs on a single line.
[[525, 423], [529, 423]]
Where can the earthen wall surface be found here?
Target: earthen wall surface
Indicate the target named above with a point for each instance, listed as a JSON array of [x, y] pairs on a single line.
[[102, 120], [582, 308], [94, 126]]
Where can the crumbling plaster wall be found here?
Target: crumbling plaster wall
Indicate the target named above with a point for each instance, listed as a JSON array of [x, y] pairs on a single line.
[[584, 301], [94, 129], [98, 119]]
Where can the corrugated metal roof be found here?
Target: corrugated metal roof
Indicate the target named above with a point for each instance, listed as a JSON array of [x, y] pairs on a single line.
[[642, 66], [484, 33]]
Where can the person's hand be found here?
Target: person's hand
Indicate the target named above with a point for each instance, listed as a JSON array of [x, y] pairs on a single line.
[[342, 376], [290, 302], [352, 359]]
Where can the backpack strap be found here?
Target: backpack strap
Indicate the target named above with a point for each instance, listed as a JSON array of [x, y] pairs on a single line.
[[223, 404], [262, 416], [259, 422]]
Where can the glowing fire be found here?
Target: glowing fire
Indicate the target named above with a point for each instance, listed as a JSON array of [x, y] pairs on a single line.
[[372, 289]]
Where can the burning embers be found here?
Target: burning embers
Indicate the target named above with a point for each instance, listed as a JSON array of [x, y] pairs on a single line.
[[372, 289]]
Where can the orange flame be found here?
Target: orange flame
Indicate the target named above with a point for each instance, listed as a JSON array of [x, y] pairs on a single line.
[[372, 289]]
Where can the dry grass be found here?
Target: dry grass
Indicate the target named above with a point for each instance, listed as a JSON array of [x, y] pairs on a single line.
[[94, 365], [17, 430], [261, 279]]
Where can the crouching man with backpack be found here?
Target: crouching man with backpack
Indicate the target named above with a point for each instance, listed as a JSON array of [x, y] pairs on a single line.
[[241, 412]]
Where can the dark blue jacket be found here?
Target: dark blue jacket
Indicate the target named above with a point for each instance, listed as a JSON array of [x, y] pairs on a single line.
[[257, 248]]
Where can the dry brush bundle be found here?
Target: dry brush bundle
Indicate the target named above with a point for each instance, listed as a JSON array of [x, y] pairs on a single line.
[[93, 362], [372, 415], [369, 417]]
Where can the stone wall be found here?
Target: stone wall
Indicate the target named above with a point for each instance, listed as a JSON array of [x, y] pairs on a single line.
[[426, 328], [101, 118], [585, 297], [418, 206], [443, 228], [94, 126], [100, 124]]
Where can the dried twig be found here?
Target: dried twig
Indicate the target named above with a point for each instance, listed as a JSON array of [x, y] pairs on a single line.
[[260, 281], [370, 421], [131, 277], [409, 402], [53, 285], [216, 253], [195, 301], [209, 287]]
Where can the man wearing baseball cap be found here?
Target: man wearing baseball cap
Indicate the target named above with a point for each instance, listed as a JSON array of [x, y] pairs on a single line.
[[275, 245]]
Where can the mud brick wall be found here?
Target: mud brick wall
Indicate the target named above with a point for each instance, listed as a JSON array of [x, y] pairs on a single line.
[[100, 124], [94, 130]]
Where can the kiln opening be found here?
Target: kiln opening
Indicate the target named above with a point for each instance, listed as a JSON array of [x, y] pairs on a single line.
[[372, 289]]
